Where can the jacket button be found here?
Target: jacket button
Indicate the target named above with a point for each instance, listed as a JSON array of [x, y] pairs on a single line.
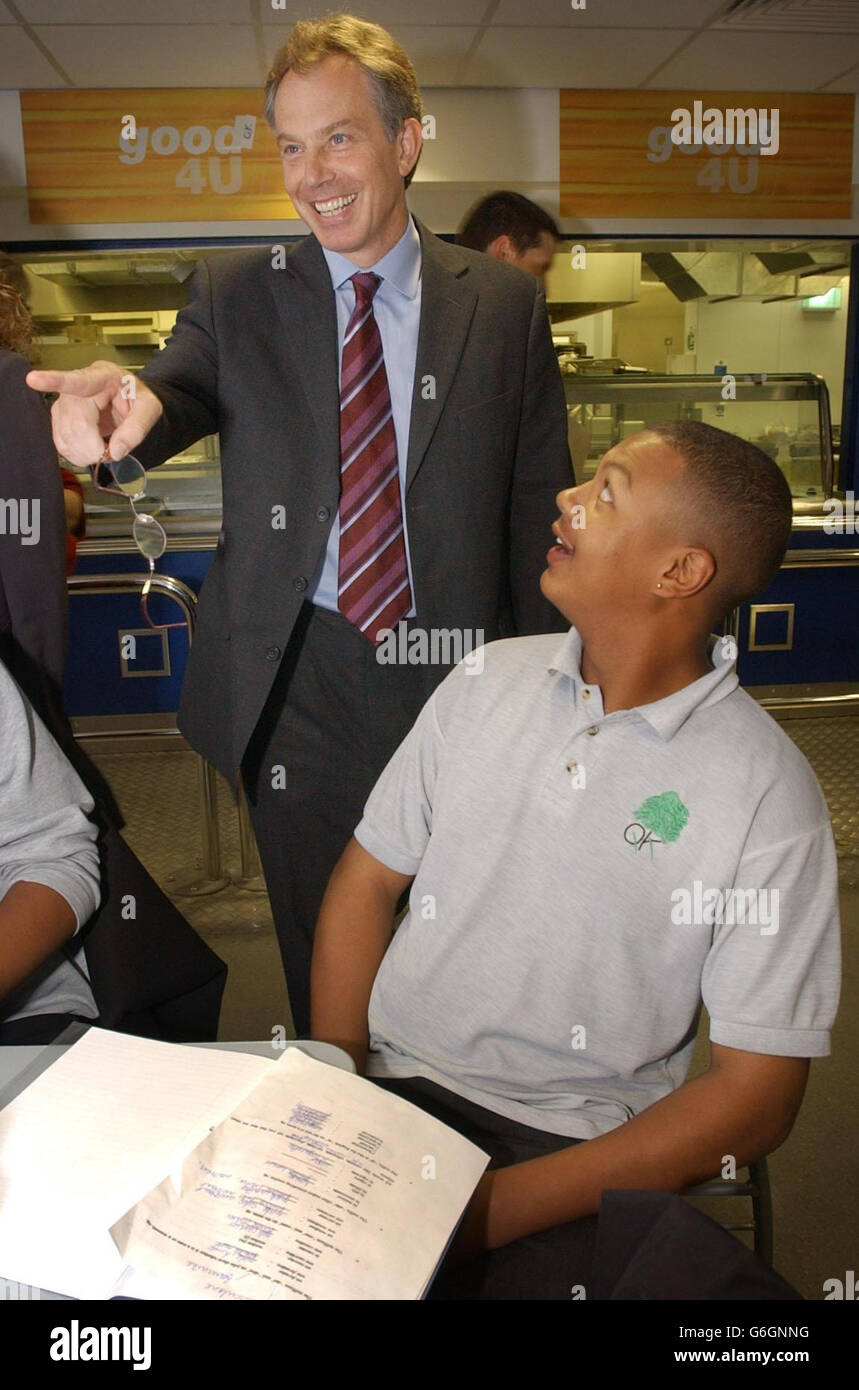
[[272, 653], [299, 583], [323, 513]]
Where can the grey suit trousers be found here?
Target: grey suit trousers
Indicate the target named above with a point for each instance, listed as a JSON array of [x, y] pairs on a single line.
[[334, 718]]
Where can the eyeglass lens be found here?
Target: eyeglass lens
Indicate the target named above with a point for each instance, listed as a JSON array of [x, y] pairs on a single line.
[[129, 475], [149, 536]]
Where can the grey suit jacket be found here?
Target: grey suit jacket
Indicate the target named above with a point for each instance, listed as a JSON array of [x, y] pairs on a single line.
[[255, 356]]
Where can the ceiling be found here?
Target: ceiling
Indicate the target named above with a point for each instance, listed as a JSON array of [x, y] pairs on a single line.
[[744, 45]]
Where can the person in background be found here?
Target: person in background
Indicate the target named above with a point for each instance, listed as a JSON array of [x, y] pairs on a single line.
[[513, 229], [650, 841], [49, 878]]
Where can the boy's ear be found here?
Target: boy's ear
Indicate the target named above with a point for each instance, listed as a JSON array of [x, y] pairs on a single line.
[[689, 572]]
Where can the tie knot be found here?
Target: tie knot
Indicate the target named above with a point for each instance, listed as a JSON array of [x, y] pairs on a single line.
[[366, 284]]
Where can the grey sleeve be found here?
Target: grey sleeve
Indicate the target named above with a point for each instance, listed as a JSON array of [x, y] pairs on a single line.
[[45, 835], [771, 981]]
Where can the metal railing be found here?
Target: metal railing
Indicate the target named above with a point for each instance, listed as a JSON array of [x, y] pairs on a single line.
[[213, 878]]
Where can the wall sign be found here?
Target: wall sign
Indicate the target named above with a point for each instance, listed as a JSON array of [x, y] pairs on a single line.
[[151, 155], [705, 154]]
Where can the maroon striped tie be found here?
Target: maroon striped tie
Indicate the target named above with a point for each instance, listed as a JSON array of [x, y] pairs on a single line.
[[373, 585]]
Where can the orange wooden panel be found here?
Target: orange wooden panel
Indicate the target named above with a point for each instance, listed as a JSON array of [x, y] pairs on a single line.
[[613, 164], [77, 170]]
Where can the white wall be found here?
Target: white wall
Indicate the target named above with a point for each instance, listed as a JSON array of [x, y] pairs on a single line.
[[779, 337]]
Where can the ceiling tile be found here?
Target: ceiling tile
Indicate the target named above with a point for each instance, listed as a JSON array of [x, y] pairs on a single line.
[[539, 57], [847, 82], [153, 12], [137, 55], [611, 14], [758, 62], [22, 65], [435, 52], [397, 14]]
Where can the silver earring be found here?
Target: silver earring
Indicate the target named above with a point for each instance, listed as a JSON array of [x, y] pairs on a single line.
[[659, 586]]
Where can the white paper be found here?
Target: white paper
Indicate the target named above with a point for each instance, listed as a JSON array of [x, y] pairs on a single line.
[[90, 1136], [318, 1185]]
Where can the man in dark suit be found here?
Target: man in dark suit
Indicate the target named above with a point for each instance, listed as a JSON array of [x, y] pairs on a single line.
[[378, 385]]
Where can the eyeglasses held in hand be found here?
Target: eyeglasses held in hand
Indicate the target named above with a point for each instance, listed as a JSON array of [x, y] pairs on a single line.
[[129, 480]]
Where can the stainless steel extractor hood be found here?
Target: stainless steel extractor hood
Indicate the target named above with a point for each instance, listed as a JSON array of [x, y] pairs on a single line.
[[578, 284]]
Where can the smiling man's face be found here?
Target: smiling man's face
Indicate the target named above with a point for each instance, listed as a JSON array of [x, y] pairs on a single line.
[[612, 564], [341, 171]]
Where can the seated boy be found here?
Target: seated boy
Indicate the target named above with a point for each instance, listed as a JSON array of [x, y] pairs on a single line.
[[600, 831], [49, 880]]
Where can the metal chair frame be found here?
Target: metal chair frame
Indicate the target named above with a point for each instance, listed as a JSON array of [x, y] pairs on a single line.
[[757, 1189]]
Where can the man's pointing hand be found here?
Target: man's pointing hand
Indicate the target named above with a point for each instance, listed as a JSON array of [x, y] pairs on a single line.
[[97, 404]]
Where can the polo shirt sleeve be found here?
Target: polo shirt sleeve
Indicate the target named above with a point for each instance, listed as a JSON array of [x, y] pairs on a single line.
[[397, 821], [771, 985], [45, 834]]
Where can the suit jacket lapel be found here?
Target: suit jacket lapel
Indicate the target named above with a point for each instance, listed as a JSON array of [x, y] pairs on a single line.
[[304, 297], [447, 307]]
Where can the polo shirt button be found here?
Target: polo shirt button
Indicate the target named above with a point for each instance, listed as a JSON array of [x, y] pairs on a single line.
[[586, 694], [323, 513], [299, 583], [272, 653], [572, 767], [593, 729]]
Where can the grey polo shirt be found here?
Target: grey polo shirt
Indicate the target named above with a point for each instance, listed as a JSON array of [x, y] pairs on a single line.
[[583, 881], [45, 837]]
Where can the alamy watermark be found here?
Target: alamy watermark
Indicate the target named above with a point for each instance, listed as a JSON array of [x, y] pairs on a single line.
[[750, 127], [20, 516], [435, 646], [708, 907]]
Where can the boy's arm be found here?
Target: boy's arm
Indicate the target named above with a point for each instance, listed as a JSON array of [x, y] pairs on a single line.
[[744, 1105], [355, 925], [34, 922]]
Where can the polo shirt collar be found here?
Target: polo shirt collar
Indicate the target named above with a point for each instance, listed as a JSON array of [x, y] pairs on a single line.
[[400, 267], [664, 716]]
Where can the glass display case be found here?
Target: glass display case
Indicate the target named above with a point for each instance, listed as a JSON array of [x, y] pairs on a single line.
[[785, 415]]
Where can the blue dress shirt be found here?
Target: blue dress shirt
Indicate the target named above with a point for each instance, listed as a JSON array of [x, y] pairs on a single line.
[[397, 306]]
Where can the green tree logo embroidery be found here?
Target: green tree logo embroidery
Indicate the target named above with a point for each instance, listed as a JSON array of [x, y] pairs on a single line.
[[660, 821]]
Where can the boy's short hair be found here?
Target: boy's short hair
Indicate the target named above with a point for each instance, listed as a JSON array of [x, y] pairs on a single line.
[[739, 508], [506, 213]]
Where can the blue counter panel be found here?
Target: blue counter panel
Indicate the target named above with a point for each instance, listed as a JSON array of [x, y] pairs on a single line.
[[100, 626], [825, 629], [191, 566]]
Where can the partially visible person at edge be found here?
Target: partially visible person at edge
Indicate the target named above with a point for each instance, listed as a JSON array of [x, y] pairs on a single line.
[[39, 540], [154, 975]]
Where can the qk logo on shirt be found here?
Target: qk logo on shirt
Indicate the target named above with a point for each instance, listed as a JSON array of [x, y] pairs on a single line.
[[660, 820]]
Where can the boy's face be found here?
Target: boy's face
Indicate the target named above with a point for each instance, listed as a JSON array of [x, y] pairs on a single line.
[[620, 533]]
